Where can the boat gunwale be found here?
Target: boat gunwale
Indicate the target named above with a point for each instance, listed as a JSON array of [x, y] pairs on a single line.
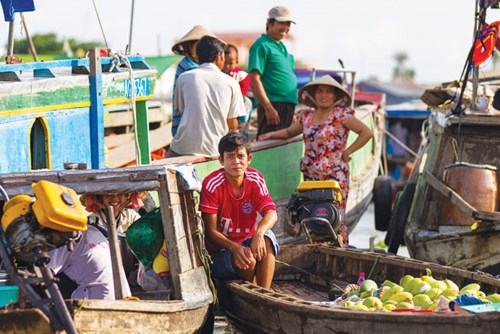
[[283, 303], [151, 178], [142, 306], [306, 308], [413, 263]]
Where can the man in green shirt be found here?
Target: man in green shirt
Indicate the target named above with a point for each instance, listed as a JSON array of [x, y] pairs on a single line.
[[271, 69]]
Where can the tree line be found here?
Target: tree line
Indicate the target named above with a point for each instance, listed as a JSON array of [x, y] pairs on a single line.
[[50, 43]]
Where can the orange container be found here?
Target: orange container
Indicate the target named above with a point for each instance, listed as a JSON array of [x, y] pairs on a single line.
[[477, 184]]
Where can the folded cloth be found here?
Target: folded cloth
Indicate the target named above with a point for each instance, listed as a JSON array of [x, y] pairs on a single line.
[[136, 201], [188, 173]]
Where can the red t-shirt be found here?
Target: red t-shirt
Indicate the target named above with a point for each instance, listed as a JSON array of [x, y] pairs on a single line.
[[243, 79], [236, 216]]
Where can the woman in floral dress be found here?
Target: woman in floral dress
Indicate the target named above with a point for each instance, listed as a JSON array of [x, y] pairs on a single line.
[[325, 127]]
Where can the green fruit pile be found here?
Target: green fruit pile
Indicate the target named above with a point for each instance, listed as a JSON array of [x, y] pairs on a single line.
[[411, 293]]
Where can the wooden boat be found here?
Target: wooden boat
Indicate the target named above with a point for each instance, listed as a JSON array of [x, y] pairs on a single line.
[[471, 240], [444, 216], [47, 109], [187, 308], [119, 134], [66, 109], [298, 299], [279, 161]]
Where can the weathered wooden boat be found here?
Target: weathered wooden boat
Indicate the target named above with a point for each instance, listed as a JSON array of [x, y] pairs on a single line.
[[279, 161], [450, 223], [187, 308], [119, 136], [448, 212], [298, 299], [46, 105], [47, 109]]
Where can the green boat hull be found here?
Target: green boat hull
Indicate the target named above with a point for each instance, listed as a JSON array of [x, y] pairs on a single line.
[[279, 162]]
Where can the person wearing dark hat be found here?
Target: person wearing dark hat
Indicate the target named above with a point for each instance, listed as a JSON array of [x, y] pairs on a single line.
[[325, 127], [185, 46], [271, 68]]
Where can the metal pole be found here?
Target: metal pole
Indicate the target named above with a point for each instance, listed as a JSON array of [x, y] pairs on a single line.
[[131, 27], [10, 50], [58, 301], [114, 248], [28, 37], [475, 69], [96, 111]]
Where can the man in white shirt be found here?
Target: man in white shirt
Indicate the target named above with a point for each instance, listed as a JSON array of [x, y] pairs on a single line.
[[89, 266], [210, 103]]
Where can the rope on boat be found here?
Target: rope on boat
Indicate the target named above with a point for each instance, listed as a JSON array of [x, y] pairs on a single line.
[[455, 148], [28, 37], [479, 21], [304, 272], [384, 169], [375, 263], [100, 25], [205, 258], [120, 58], [407, 149]]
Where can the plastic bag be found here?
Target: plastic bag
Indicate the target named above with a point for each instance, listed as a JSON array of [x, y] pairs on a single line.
[[145, 237], [151, 281]]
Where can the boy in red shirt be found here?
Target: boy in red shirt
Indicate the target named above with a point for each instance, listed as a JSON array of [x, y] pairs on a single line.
[[231, 198]]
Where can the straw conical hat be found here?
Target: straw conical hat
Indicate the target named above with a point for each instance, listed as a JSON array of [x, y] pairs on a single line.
[[306, 93], [196, 33]]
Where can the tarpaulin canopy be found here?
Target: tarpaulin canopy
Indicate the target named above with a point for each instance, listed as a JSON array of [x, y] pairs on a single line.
[[16, 6]]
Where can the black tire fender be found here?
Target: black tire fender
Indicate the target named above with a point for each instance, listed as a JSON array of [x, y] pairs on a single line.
[[382, 201]]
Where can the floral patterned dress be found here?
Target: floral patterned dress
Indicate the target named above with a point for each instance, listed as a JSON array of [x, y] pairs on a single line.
[[324, 146]]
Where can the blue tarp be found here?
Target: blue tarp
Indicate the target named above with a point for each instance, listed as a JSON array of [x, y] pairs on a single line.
[[304, 76], [16, 6], [407, 113]]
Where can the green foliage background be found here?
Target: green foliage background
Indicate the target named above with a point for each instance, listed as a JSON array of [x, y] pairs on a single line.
[[49, 46]]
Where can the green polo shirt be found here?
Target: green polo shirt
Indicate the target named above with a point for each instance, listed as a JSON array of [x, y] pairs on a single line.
[[276, 67]]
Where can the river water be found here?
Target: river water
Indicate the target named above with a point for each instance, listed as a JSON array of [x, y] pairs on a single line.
[[359, 238]]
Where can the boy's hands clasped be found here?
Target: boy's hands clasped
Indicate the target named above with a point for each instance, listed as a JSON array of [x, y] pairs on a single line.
[[242, 257], [258, 246]]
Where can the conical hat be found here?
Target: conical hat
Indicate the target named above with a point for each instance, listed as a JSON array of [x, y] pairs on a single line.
[[306, 93], [196, 33]]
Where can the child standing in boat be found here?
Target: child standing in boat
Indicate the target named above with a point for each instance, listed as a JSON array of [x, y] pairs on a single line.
[[325, 127], [231, 68], [231, 198]]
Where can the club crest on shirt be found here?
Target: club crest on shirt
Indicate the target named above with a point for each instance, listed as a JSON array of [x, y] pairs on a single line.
[[247, 207]]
